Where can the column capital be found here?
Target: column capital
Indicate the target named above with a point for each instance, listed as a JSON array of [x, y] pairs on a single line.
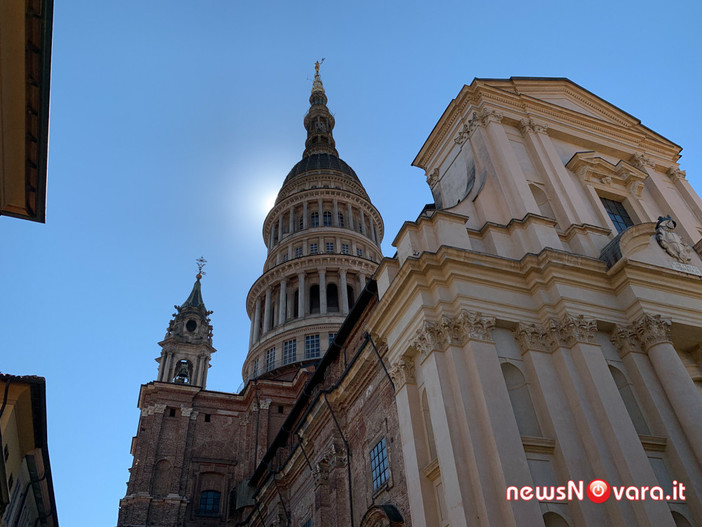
[[675, 174], [467, 326], [531, 337], [402, 372], [452, 331], [652, 330], [531, 126], [571, 330]]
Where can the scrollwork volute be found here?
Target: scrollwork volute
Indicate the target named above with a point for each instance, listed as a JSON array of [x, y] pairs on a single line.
[[675, 174], [452, 331], [531, 126], [641, 161]]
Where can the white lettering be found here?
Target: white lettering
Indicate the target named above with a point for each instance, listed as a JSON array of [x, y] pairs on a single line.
[[618, 493], [516, 493], [656, 493], [526, 493], [632, 493], [578, 490], [544, 495]]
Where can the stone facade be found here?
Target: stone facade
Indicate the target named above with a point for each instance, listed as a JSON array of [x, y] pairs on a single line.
[[550, 317], [540, 323]]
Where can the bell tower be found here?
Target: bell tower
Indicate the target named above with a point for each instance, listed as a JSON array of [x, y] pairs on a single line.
[[187, 346]]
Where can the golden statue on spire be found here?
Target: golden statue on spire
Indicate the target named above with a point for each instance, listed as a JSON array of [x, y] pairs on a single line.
[[317, 65]]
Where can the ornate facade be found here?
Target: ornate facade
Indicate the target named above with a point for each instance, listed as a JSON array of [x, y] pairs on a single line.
[[539, 324]]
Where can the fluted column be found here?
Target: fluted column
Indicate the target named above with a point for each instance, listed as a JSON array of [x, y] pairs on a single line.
[[349, 221], [305, 219], [291, 223], [344, 293], [335, 218], [322, 293], [280, 227], [301, 295], [320, 209], [362, 281], [267, 311], [281, 305], [363, 223], [257, 320]]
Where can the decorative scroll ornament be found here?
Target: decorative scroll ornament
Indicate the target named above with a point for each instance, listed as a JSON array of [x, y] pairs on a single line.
[[402, 373], [625, 340], [433, 177], [675, 174], [670, 241]]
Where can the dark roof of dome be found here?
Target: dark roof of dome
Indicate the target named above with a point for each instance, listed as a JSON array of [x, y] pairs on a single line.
[[321, 162]]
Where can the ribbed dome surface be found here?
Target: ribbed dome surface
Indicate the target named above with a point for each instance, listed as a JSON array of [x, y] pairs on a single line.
[[321, 162]]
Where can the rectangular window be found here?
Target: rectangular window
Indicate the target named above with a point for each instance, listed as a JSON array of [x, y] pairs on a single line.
[[344, 248], [285, 257], [311, 346], [617, 213], [298, 252], [308, 523], [380, 469], [289, 351], [332, 336], [270, 359], [330, 247], [254, 369], [359, 252], [209, 503], [313, 248]]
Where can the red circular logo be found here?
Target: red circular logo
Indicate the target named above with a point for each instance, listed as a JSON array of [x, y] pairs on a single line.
[[598, 491]]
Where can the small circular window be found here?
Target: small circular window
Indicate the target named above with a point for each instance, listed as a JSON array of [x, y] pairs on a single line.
[[190, 325]]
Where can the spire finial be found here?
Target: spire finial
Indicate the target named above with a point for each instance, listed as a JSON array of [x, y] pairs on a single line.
[[318, 121], [317, 65], [201, 262]]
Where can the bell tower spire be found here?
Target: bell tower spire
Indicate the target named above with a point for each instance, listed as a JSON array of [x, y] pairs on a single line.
[[187, 346], [319, 122]]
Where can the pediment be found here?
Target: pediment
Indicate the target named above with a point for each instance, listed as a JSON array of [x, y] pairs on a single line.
[[595, 170]]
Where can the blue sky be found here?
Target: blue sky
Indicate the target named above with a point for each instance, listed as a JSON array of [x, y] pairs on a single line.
[[174, 123]]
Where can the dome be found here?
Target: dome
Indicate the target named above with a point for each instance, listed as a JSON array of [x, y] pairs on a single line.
[[321, 162]]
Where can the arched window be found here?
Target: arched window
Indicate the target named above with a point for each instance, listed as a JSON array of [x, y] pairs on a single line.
[[332, 298], [428, 429], [301, 223], [209, 503], [630, 403], [314, 219], [327, 216], [296, 303], [520, 398], [183, 372], [349, 294], [314, 299], [551, 519], [340, 218]]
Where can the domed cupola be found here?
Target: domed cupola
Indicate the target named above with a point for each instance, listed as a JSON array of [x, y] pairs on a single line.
[[323, 237], [187, 346]]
